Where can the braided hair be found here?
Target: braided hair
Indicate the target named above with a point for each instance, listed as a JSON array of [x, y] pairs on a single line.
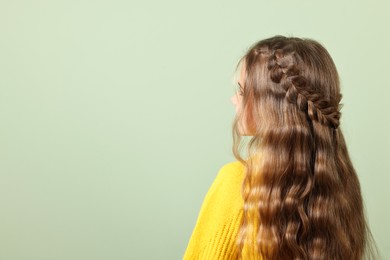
[[284, 65], [302, 197]]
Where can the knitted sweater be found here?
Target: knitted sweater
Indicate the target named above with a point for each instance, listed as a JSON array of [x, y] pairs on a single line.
[[219, 219]]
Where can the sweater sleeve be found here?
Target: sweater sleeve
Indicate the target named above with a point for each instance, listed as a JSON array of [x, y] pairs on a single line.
[[217, 226]]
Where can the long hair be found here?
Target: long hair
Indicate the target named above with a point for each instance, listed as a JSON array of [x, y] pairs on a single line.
[[302, 197]]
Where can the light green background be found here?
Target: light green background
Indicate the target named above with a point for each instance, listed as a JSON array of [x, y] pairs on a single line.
[[115, 116]]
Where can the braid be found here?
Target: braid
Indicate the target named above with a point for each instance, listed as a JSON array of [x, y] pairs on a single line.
[[284, 69]]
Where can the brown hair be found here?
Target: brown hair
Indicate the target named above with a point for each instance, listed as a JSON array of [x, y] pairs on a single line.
[[302, 197]]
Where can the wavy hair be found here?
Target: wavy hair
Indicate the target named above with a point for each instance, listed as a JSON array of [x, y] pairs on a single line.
[[302, 197]]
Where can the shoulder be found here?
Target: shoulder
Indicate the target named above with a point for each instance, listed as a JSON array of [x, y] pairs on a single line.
[[230, 172], [235, 166], [227, 184], [219, 217]]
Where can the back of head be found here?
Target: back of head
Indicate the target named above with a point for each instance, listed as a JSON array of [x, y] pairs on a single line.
[[301, 193], [300, 70]]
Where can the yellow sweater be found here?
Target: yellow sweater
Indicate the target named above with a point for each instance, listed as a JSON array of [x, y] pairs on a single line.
[[219, 219]]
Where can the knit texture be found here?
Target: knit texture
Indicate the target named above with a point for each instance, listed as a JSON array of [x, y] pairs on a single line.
[[215, 233]]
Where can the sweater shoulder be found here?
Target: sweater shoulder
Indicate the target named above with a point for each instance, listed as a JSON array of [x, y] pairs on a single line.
[[220, 216], [227, 183], [233, 166], [232, 171], [224, 195]]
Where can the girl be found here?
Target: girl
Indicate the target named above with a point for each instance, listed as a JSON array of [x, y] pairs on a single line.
[[296, 195]]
